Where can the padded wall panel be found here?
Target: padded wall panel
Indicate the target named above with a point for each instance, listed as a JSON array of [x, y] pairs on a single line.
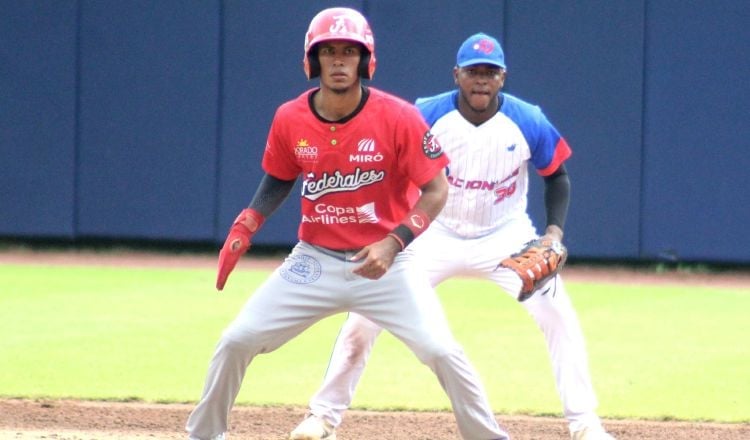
[[149, 108], [417, 41], [697, 136], [37, 118], [582, 62]]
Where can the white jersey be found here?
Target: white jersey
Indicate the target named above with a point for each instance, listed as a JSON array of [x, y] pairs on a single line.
[[488, 175], [489, 172]]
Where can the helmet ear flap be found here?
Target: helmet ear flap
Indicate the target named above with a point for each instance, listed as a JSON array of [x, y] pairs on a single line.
[[364, 65], [313, 63]]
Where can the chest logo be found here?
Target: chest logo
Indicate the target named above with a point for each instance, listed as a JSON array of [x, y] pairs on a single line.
[[366, 152], [315, 187], [305, 152]]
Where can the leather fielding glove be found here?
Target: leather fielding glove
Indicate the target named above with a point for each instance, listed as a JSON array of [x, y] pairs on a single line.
[[538, 261], [237, 243]]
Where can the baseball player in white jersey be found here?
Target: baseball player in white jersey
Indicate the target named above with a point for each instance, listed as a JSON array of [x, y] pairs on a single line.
[[362, 155], [490, 138]]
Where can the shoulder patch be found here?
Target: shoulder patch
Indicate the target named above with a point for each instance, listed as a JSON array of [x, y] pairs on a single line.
[[431, 146]]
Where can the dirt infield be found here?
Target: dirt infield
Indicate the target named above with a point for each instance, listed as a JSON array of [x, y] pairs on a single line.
[[77, 420], [73, 420]]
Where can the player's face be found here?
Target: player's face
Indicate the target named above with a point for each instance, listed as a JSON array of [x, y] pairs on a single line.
[[339, 61], [478, 87]]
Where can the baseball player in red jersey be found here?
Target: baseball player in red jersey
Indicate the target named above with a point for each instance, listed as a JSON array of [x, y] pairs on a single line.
[[361, 154], [493, 140]]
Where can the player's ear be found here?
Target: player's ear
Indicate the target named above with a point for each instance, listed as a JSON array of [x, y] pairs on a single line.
[[455, 75]]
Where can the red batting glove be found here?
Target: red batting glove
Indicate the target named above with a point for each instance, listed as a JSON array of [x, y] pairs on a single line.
[[237, 242]]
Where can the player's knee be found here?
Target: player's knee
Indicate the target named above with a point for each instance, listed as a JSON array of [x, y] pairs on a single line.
[[239, 339], [432, 354], [357, 344], [233, 353]]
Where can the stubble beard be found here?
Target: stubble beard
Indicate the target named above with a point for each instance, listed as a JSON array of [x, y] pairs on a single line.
[[341, 90]]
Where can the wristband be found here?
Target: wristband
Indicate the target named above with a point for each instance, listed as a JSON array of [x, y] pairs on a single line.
[[251, 219], [398, 239], [237, 242], [415, 222]]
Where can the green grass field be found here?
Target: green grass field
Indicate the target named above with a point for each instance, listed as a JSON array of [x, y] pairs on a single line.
[[147, 334]]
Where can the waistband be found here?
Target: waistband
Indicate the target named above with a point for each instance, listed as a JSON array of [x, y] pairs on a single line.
[[343, 255]]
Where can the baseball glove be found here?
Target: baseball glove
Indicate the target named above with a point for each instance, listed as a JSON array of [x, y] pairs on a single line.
[[538, 261]]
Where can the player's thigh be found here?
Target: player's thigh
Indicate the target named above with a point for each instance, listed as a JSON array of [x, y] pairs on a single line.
[[408, 307], [284, 305]]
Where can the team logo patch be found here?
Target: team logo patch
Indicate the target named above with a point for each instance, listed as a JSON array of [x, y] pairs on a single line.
[[430, 146], [301, 269]]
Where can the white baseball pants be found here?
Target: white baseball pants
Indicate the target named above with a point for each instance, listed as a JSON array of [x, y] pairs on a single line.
[[314, 283]]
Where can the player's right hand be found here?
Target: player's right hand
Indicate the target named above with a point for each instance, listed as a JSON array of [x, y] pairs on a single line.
[[237, 243], [378, 258]]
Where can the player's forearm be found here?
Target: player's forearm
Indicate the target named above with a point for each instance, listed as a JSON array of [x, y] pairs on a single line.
[[557, 198], [270, 194], [433, 197], [430, 203]]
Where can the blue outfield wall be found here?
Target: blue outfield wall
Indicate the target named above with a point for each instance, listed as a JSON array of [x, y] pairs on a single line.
[[147, 120], [148, 94], [696, 132], [37, 118], [582, 63]]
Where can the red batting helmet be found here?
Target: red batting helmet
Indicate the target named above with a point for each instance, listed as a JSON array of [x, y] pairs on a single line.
[[339, 24]]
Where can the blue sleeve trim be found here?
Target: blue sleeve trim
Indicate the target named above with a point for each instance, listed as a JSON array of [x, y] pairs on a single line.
[[542, 137], [435, 107]]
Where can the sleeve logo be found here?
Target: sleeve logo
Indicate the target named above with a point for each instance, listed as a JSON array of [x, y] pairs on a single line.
[[431, 146], [417, 221]]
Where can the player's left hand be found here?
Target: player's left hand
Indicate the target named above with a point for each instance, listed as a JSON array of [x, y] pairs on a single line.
[[376, 258]]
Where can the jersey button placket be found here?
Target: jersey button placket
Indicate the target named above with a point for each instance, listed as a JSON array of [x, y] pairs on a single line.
[[333, 130]]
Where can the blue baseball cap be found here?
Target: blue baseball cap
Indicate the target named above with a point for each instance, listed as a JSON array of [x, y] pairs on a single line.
[[480, 49]]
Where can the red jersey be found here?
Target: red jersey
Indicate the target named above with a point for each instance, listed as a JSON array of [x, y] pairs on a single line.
[[360, 174]]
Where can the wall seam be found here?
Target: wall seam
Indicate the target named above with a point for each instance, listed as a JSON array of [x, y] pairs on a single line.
[[644, 109], [219, 124], [77, 124]]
